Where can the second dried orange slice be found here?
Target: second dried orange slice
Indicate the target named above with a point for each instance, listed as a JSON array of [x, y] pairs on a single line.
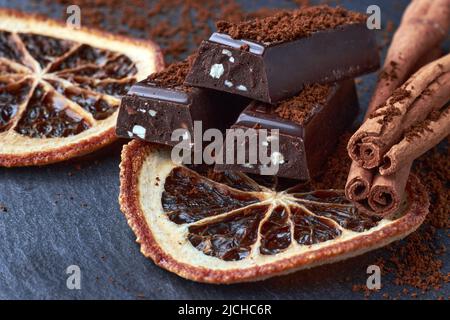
[[227, 228], [60, 88]]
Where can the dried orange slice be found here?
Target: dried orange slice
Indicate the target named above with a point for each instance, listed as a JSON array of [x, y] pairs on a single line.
[[60, 88], [227, 228]]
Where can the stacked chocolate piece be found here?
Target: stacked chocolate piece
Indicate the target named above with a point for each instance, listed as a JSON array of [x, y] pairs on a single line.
[[293, 72]]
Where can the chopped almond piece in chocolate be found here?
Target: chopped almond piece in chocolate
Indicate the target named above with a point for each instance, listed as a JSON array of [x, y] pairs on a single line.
[[157, 106], [309, 125]]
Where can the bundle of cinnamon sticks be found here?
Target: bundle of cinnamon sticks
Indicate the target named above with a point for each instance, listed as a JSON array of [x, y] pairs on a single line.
[[406, 116]]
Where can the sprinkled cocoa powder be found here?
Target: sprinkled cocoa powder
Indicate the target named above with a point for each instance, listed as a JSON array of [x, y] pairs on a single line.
[[178, 26], [432, 168], [299, 108], [391, 111], [173, 75], [387, 114], [416, 262], [390, 73], [335, 170], [417, 130], [290, 25], [398, 95]]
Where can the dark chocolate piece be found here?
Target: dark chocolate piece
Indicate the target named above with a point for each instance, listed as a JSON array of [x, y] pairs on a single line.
[[150, 112], [271, 72], [304, 145]]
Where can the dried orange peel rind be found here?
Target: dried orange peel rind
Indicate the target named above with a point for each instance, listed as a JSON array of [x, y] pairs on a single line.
[[185, 237], [75, 78]]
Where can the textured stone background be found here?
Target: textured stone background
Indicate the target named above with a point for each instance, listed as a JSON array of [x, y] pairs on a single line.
[[68, 214]]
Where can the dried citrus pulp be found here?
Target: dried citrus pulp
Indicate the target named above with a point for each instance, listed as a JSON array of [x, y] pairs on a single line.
[[226, 228], [60, 88]]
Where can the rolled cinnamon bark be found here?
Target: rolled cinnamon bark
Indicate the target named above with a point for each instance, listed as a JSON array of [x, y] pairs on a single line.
[[384, 128], [387, 192], [359, 180], [358, 184], [411, 148], [437, 95], [424, 25]]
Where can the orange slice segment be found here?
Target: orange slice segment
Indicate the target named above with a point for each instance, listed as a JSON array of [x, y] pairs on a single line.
[[60, 88], [227, 228]]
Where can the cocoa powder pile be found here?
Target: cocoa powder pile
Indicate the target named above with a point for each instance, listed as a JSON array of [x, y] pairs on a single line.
[[173, 75], [299, 108], [291, 25]]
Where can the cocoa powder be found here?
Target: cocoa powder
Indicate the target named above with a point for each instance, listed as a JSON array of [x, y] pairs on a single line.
[[178, 26], [291, 25], [299, 108], [173, 75], [417, 130]]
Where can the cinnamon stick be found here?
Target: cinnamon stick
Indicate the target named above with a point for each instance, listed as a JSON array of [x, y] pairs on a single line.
[[358, 184], [433, 99], [385, 127], [413, 146], [424, 25], [386, 194], [359, 180]]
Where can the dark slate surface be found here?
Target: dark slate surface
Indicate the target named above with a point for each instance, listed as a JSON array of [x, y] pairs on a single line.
[[68, 214]]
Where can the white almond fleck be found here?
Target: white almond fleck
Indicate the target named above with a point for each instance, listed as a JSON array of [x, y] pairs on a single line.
[[242, 87], [229, 84], [130, 134], [152, 112], [227, 52], [231, 59], [141, 110], [216, 71], [277, 158], [248, 165], [139, 131]]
